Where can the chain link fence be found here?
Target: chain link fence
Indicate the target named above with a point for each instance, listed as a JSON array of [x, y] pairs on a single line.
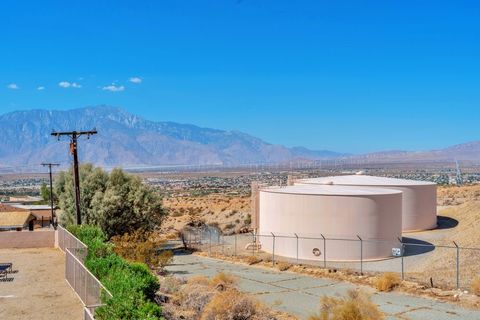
[[88, 288], [442, 266]]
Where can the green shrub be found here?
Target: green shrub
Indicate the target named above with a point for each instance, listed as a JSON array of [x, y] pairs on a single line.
[[132, 284]]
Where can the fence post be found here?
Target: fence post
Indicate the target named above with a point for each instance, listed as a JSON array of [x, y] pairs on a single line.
[[209, 242], [361, 254], [297, 245], [86, 283], [324, 251], [223, 245], [273, 249], [458, 264], [402, 254], [235, 247], [74, 274]]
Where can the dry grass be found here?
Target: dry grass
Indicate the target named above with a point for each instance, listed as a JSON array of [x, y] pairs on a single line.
[[283, 266], [454, 195], [440, 265], [387, 281], [201, 298], [253, 260], [170, 285], [201, 280], [234, 305], [356, 305], [475, 286], [222, 281]]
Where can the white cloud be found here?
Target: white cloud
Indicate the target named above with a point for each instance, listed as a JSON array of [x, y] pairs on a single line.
[[113, 88], [66, 84], [13, 86], [136, 80], [40, 88]]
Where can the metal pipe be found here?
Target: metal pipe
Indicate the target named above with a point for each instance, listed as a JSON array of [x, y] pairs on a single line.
[[324, 251], [297, 245], [273, 250], [402, 254], [458, 264], [361, 254]]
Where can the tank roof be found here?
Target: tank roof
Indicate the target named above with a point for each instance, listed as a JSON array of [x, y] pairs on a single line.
[[363, 180], [330, 190]]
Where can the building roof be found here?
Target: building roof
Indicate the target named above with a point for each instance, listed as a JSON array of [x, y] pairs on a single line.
[[330, 190], [9, 208], [25, 199], [364, 180], [32, 207], [15, 219]]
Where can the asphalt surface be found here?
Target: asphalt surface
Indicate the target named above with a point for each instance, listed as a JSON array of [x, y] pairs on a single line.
[[299, 295]]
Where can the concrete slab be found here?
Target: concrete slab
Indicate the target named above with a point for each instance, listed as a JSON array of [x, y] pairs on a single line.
[[37, 289], [300, 294]]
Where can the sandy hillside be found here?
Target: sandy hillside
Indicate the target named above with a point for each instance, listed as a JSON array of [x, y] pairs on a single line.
[[230, 213], [462, 204], [453, 195]]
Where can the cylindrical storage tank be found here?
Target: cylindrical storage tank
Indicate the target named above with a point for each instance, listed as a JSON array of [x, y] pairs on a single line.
[[419, 197], [294, 219]]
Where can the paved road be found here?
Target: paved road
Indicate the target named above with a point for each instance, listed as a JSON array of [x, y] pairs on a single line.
[[300, 294]]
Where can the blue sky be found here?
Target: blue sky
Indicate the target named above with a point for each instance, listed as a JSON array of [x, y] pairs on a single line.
[[352, 76]]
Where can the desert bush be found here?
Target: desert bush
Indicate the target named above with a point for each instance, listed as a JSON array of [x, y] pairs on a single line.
[[202, 298], [475, 286], [356, 305], [387, 281], [176, 213], [142, 246], [201, 280], [253, 260], [248, 220], [165, 258], [116, 202], [229, 226], [171, 285], [222, 281], [234, 305], [132, 284], [283, 266], [195, 297]]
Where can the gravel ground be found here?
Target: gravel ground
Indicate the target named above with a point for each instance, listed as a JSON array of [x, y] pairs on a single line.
[[37, 289], [300, 294]]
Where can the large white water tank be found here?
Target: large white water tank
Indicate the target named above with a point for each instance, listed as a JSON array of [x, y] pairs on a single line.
[[419, 197], [336, 212]]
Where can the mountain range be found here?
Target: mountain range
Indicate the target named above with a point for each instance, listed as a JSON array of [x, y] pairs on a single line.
[[128, 140], [125, 139]]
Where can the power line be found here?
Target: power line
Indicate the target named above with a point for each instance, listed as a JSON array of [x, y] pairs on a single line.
[[74, 135], [50, 165]]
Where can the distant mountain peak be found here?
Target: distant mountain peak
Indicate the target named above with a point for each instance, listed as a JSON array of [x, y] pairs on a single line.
[[126, 139]]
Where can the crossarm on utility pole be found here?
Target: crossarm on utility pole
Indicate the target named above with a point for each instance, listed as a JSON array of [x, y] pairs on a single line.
[[74, 135]]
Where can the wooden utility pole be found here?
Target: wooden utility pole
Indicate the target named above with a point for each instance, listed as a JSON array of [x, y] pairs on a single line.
[[74, 135], [50, 165]]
